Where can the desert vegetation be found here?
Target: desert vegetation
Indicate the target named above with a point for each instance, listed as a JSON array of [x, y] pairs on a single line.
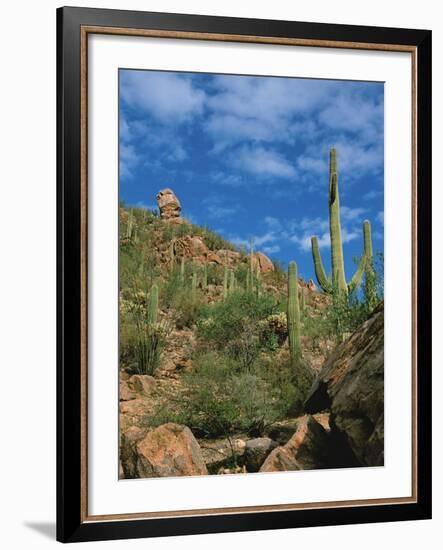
[[225, 343]]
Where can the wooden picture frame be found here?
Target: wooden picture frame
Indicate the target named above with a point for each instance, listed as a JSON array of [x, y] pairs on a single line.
[[74, 523]]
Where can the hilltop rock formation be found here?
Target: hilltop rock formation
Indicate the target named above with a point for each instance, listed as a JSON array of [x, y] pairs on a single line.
[[169, 206], [351, 386]]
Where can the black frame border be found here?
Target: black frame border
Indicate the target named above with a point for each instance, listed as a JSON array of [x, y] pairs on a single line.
[[70, 527]]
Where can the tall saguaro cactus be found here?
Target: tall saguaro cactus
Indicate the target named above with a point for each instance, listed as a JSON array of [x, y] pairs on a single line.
[[293, 313], [338, 281]]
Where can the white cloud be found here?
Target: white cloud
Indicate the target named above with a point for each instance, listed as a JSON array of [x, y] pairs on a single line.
[[262, 162], [218, 212], [351, 214], [129, 158], [373, 194], [381, 217], [168, 97], [226, 179], [271, 249], [273, 223], [257, 240]]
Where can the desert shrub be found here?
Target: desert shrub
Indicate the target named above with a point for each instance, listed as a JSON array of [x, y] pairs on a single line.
[[278, 277], [234, 326], [219, 400], [148, 346], [141, 342]]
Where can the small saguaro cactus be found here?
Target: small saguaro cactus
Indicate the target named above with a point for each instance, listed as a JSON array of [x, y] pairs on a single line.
[[225, 283], [302, 300], [205, 277], [194, 280], [153, 306], [251, 266], [338, 279], [231, 281], [258, 279], [182, 271], [293, 313], [171, 255], [130, 225]]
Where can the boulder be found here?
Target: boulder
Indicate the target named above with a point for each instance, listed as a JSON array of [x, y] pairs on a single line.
[[169, 205], [125, 393], [264, 262], [220, 453], [193, 247], [351, 386], [169, 450], [128, 450], [256, 451], [306, 450], [229, 258], [311, 285], [142, 383]]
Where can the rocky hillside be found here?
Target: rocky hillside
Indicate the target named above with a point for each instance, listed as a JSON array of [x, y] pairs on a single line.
[[209, 383]]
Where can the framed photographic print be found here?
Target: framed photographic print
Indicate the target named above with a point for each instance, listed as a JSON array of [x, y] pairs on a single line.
[[244, 274]]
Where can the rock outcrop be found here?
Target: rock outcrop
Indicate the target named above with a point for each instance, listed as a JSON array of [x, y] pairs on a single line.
[[307, 449], [351, 386], [193, 247], [169, 206], [169, 450]]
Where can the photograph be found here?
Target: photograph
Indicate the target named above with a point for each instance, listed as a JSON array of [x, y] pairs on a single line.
[[251, 274]]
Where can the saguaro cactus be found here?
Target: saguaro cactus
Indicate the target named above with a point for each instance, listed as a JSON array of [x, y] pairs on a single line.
[[231, 281], [130, 225], [153, 306], [171, 255], [370, 289], [338, 280], [194, 281], [225, 283], [293, 313], [302, 300], [205, 277], [182, 271]]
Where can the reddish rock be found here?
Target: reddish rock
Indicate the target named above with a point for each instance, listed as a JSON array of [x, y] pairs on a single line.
[[306, 450], [126, 393], [264, 262], [169, 450], [229, 258]]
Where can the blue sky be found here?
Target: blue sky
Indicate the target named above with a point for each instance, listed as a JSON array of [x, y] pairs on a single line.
[[248, 156]]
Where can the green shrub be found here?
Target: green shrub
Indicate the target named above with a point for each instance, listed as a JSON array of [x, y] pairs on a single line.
[[219, 401], [234, 326]]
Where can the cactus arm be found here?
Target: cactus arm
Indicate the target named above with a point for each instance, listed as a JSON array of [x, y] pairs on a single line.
[[366, 260], [293, 313], [320, 273], [356, 279]]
